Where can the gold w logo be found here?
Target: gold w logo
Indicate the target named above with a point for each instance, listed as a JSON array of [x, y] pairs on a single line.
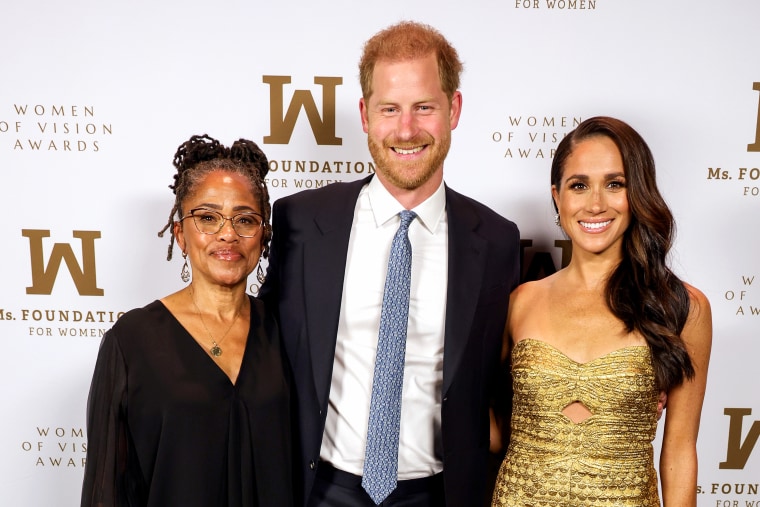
[[281, 124], [738, 452], [756, 145], [44, 278]]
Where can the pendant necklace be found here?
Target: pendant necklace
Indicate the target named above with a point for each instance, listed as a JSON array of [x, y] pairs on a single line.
[[215, 350]]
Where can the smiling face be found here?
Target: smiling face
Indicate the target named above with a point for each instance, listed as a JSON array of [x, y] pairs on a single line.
[[223, 258], [408, 120], [592, 199]]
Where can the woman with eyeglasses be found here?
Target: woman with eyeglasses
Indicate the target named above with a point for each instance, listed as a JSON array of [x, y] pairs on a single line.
[[189, 403]]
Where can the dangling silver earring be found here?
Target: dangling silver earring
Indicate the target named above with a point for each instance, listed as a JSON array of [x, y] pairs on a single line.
[[556, 219], [185, 273], [260, 275]]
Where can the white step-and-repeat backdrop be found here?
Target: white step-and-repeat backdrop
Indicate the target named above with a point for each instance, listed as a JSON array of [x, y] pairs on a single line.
[[96, 96]]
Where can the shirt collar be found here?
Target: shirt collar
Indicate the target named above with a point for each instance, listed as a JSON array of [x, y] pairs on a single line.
[[384, 206]]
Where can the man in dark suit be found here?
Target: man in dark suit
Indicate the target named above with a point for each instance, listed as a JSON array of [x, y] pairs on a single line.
[[326, 280]]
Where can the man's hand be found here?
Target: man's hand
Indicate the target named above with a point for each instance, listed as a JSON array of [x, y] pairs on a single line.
[[661, 402]]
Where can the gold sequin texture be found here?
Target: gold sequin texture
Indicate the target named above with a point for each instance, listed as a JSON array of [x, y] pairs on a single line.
[[604, 460]]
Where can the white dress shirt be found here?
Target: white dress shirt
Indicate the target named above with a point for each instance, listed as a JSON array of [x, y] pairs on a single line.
[[375, 223]]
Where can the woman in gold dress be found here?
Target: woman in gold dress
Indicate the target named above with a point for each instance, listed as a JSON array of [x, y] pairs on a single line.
[[593, 345]]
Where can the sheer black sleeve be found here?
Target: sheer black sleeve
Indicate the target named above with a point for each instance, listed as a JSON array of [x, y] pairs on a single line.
[[107, 440]]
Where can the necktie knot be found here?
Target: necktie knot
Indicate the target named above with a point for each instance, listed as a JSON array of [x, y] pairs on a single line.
[[406, 219]]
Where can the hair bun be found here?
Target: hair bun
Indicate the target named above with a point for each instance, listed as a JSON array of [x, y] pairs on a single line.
[[198, 148], [250, 153]]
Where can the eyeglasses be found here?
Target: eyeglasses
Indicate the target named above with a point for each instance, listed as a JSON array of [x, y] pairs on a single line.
[[246, 225]]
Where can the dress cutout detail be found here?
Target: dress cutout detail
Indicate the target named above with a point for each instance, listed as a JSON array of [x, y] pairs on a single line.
[[605, 460]]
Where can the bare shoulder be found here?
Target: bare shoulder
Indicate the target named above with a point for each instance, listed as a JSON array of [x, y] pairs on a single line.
[[696, 295], [526, 297], [698, 329], [699, 305], [529, 291]]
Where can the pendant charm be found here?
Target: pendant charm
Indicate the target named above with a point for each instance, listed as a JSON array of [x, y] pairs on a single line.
[[216, 351]]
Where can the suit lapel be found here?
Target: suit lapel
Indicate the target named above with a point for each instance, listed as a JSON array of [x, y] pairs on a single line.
[[324, 271], [467, 251]]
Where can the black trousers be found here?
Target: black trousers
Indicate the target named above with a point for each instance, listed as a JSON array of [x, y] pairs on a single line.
[[336, 488]]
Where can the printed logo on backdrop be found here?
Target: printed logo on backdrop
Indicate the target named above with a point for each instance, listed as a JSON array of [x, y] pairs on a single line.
[[532, 136], [755, 146], [538, 263], [742, 454], [525, 140], [59, 266], [744, 298], [59, 447], [738, 449], [744, 179], [46, 271], [559, 5], [319, 110], [44, 277], [53, 128]]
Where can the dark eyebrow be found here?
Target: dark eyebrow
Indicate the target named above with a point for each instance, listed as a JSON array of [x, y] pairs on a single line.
[[216, 207], [584, 177]]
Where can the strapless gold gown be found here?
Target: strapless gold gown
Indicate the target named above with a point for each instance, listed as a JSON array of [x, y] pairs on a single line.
[[605, 460]]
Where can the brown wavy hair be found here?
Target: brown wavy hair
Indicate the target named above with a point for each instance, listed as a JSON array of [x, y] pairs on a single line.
[[200, 155], [642, 291]]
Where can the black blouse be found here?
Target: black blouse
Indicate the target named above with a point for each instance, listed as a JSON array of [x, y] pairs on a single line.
[[166, 426]]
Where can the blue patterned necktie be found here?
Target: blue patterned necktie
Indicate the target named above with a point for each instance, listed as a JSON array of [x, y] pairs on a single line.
[[381, 455]]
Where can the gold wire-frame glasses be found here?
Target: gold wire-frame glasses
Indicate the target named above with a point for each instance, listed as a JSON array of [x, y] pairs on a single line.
[[246, 224]]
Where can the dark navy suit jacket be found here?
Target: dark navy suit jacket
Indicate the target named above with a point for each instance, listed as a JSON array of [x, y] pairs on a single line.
[[304, 286]]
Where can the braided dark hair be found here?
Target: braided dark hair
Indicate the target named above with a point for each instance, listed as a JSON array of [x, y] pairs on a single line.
[[201, 155]]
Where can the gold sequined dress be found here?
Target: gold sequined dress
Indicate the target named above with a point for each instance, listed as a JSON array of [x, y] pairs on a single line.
[[604, 460]]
